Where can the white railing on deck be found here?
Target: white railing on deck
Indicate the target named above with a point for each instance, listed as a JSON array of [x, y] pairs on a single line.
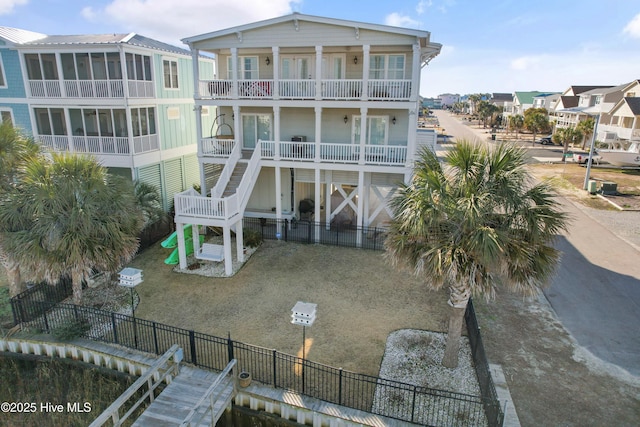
[[389, 89], [101, 145], [57, 143], [94, 88], [385, 154], [216, 147], [255, 88], [45, 88], [141, 89], [297, 89], [190, 203], [341, 89], [339, 153], [294, 150], [145, 143]]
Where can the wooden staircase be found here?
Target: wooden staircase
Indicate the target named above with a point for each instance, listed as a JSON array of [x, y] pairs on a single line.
[[234, 181]]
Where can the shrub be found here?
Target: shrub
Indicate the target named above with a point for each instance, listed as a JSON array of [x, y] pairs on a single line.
[[252, 238], [71, 330]]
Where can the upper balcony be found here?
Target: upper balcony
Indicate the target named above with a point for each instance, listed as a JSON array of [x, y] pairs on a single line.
[[90, 89], [323, 89]]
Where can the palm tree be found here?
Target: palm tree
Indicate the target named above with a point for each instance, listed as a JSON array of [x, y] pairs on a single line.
[[566, 136], [586, 128], [473, 223], [15, 150], [70, 217], [150, 202], [516, 122], [536, 120]]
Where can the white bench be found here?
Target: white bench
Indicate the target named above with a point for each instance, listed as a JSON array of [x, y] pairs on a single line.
[[211, 252]]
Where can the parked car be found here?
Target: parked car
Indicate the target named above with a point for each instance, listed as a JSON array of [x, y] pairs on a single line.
[[545, 140], [583, 158]]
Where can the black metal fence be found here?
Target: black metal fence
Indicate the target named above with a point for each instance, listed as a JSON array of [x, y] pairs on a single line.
[[420, 405], [491, 403], [23, 306], [303, 231]]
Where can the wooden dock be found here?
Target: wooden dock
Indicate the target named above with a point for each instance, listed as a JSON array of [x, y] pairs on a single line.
[[179, 398]]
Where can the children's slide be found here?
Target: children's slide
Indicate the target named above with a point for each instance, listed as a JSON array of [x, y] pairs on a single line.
[[174, 258], [172, 240]]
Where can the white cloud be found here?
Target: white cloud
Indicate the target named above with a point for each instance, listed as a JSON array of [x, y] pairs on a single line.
[[633, 27], [170, 21], [7, 6], [423, 5], [397, 20], [526, 62]]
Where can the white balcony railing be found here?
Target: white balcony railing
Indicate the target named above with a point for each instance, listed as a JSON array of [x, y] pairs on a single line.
[[191, 204], [90, 89], [86, 144], [216, 147], [331, 89], [145, 143]]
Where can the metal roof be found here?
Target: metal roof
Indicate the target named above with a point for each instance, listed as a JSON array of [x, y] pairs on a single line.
[[30, 39]]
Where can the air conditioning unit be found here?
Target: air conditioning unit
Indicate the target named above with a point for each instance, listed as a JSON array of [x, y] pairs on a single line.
[[299, 138]]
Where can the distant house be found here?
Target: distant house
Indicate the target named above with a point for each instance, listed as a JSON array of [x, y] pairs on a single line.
[[570, 108], [125, 99], [620, 119], [522, 101], [448, 99], [319, 122]]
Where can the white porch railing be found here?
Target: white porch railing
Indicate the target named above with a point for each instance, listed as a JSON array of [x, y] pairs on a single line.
[[294, 150], [94, 88], [86, 144], [297, 89], [90, 89], [385, 154], [145, 143], [339, 153], [340, 89], [191, 204], [45, 88], [216, 147], [227, 171]]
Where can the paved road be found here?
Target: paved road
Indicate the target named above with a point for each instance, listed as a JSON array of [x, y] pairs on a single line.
[[596, 291]]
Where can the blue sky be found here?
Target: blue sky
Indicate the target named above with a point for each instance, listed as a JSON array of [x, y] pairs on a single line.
[[494, 46]]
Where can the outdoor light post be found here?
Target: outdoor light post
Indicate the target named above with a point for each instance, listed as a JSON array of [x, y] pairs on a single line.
[[130, 278], [303, 313]]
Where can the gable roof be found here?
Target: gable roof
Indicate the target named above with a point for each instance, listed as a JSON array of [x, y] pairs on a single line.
[[634, 104], [527, 97], [505, 97], [29, 39], [294, 17]]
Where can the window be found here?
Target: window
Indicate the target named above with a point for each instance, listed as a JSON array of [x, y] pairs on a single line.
[[41, 66], [389, 67], [6, 116], [3, 80], [377, 130], [138, 67], [143, 121], [50, 121], [332, 67], [255, 127], [170, 69]]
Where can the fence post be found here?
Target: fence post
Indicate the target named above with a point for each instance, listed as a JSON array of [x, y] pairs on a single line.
[[340, 386], [286, 230], [155, 338], [114, 326], [229, 347], [192, 345], [275, 382], [413, 404], [309, 232]]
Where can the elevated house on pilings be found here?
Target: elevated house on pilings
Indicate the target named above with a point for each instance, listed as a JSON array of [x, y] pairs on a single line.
[[311, 111]]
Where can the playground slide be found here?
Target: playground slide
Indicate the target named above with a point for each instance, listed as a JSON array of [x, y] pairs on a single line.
[[174, 258], [172, 240]]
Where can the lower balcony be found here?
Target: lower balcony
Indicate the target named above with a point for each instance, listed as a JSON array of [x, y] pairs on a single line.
[[388, 155], [100, 144]]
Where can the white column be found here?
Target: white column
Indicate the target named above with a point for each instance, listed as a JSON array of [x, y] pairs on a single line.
[[195, 235], [276, 72], [318, 73], [360, 207], [318, 134], [316, 209], [276, 131], [195, 54], [239, 241], [365, 71], [234, 71], [415, 74], [182, 250], [278, 193], [237, 123], [363, 133], [228, 262], [367, 194], [412, 135], [327, 199]]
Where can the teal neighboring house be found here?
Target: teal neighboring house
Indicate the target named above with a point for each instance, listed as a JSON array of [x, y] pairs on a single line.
[[124, 98]]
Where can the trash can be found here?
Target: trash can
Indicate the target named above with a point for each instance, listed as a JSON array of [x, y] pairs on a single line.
[[493, 136], [592, 186]]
